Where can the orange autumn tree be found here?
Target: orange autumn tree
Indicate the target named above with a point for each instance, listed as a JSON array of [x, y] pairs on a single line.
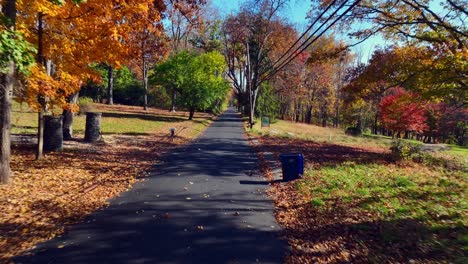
[[147, 42], [70, 38]]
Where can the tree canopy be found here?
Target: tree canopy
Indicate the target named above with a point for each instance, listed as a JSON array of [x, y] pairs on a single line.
[[198, 79]]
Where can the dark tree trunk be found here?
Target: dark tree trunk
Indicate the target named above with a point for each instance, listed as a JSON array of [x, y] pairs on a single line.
[[336, 121], [110, 85], [6, 91], [324, 119], [68, 118], [376, 129], [191, 113], [298, 112], [359, 123], [406, 136], [93, 127], [309, 115], [67, 124], [53, 133]]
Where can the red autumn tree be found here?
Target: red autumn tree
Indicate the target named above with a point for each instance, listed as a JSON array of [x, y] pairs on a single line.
[[403, 111]]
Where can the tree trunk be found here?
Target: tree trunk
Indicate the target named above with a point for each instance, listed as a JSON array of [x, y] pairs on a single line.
[[6, 91], [324, 120], [40, 134], [298, 112], [173, 100], [191, 113], [336, 122], [309, 115], [406, 136], [145, 85], [252, 107], [5, 122], [68, 118], [41, 99], [110, 85], [359, 123], [376, 129]]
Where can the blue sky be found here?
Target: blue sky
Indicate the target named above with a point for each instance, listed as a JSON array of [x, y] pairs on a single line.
[[296, 10], [296, 13]]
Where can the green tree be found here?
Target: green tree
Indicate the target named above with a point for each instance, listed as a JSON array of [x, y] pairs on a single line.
[[170, 74], [268, 102], [197, 78]]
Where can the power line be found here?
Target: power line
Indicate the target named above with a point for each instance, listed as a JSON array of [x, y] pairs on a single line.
[[304, 33], [293, 56], [305, 45]]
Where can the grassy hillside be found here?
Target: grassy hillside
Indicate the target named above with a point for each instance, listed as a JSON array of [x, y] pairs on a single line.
[[116, 119]]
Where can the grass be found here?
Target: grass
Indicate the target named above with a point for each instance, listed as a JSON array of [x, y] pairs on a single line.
[[393, 192], [435, 200], [368, 206], [314, 133], [458, 150], [114, 120], [329, 135]]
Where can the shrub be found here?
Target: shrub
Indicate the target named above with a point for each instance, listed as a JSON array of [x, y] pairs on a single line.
[[218, 107], [130, 94], [85, 104], [404, 150], [353, 131]]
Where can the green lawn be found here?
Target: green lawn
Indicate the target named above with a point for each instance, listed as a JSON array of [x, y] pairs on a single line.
[[428, 206], [319, 134], [417, 210], [113, 122], [331, 135]]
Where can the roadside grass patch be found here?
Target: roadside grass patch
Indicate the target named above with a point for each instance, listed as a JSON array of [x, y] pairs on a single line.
[[359, 203], [288, 129], [428, 206]]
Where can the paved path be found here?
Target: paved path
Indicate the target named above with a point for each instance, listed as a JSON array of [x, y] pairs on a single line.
[[201, 205]]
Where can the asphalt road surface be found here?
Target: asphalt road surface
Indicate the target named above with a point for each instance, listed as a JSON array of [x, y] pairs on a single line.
[[205, 203]]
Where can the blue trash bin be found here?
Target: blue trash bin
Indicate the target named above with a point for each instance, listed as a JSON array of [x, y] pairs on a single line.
[[292, 165]]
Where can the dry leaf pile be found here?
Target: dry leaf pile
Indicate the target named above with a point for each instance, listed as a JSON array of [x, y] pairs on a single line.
[[66, 186]]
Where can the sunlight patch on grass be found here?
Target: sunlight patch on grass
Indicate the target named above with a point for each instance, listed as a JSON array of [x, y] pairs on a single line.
[[314, 133], [128, 121]]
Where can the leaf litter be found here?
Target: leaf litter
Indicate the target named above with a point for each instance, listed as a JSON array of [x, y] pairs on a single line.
[[65, 187]]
